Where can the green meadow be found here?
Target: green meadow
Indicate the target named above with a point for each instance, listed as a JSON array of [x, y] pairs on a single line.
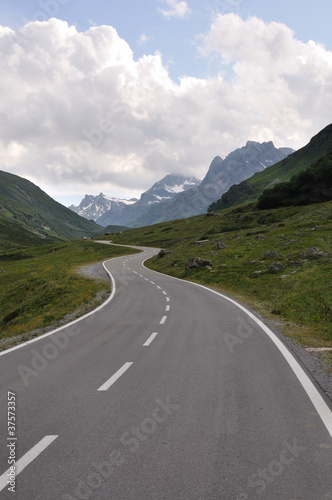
[[41, 285]]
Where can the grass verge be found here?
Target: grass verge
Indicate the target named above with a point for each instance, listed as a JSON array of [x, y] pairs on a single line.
[[40, 285]]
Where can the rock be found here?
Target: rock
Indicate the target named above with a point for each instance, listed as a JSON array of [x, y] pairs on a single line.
[[276, 267], [196, 262], [311, 251], [284, 276], [260, 236], [271, 253], [294, 263], [212, 214], [163, 252], [255, 274], [221, 245]]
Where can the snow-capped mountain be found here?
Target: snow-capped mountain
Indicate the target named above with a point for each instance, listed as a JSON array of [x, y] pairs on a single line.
[[222, 174], [161, 191], [93, 207]]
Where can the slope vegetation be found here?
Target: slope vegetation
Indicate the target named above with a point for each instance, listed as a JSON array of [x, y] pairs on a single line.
[[313, 185], [28, 216]]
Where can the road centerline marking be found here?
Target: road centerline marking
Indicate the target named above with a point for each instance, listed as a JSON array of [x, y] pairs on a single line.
[[167, 308], [150, 339], [168, 299], [115, 377], [163, 319], [27, 458]]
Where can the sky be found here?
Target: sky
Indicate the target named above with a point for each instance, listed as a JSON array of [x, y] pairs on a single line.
[[107, 96]]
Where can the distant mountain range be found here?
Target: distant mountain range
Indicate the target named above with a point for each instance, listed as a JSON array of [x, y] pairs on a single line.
[[94, 207], [238, 165], [106, 211], [176, 196], [28, 216], [251, 188]]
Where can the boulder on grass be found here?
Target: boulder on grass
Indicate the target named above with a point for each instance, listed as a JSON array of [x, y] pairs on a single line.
[[197, 262], [276, 267]]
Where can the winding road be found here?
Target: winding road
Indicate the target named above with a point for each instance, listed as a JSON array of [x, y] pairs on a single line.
[[167, 391]]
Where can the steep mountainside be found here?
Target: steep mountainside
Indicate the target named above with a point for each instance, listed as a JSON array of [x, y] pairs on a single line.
[[222, 174], [28, 216], [93, 207], [163, 190], [251, 188], [313, 185]]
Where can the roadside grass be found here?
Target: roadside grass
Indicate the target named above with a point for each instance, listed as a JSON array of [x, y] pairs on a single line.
[[40, 285], [299, 296]]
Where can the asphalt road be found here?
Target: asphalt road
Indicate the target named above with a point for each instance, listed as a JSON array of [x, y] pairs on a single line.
[[169, 391]]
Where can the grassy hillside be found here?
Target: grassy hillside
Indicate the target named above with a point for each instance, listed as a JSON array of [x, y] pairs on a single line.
[[28, 216], [313, 185], [295, 290], [40, 285], [250, 189]]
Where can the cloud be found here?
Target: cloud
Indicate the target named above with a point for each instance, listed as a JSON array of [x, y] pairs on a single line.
[[143, 38], [79, 111], [176, 8]]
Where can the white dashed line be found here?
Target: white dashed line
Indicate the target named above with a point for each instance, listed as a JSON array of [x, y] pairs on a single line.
[[159, 287], [150, 339], [167, 308], [152, 282], [27, 459], [115, 377], [163, 319], [164, 292], [168, 299]]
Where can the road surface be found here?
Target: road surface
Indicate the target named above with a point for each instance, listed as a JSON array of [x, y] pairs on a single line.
[[169, 391]]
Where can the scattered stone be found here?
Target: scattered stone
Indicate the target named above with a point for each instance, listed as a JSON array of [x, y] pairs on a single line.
[[271, 253], [212, 214], [164, 252], [260, 236], [196, 262], [200, 242], [221, 245], [312, 251], [284, 276], [255, 274], [294, 263], [252, 262], [276, 267]]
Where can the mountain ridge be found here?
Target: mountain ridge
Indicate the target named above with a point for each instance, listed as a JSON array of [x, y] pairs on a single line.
[[222, 174], [29, 216], [165, 189]]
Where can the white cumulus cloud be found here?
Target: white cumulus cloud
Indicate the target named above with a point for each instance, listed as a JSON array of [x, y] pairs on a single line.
[[79, 113]]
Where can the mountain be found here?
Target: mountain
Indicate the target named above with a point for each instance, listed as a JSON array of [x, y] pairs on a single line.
[[163, 190], [93, 207], [252, 187], [28, 216], [237, 166]]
